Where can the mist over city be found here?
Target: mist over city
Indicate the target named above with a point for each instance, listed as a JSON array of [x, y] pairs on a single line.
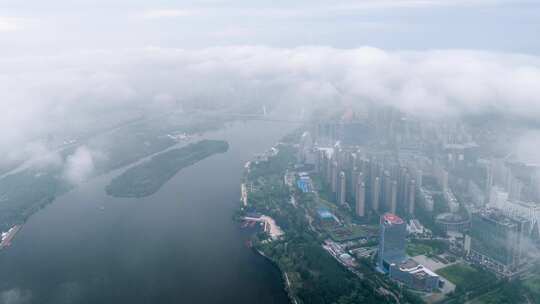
[[269, 152]]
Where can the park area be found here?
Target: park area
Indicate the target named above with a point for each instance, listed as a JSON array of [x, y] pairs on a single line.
[[415, 249], [466, 277]]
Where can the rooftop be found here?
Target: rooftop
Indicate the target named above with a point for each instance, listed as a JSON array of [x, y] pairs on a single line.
[[392, 219]]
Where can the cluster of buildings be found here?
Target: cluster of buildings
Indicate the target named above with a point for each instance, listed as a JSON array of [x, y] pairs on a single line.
[[375, 183], [492, 204], [513, 188], [505, 227], [497, 241], [391, 257]]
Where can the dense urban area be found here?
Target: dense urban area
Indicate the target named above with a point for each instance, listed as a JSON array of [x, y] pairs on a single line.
[[372, 206]]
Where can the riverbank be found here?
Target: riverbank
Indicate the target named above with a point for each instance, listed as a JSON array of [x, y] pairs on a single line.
[[284, 277], [183, 234], [8, 236], [110, 148], [310, 274], [148, 177]]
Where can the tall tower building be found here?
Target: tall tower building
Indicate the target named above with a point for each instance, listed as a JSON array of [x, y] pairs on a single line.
[[412, 198], [419, 176], [392, 234], [342, 194], [489, 180], [356, 173], [329, 163], [360, 198], [515, 189], [393, 197], [319, 165], [386, 193], [375, 191], [334, 179]]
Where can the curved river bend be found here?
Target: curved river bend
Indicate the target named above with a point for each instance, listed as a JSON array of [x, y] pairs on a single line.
[[176, 246]]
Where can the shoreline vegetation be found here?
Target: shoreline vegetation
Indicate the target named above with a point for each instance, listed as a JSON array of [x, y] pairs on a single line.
[[26, 191], [309, 273], [148, 177]]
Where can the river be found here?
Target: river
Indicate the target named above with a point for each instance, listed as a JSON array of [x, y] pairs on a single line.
[[179, 245]]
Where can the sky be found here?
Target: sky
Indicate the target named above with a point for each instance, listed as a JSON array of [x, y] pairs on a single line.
[[39, 27], [65, 64]]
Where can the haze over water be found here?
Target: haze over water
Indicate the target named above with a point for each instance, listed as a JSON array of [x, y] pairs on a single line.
[[179, 245]]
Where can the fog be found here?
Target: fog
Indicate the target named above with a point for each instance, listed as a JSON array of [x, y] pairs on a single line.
[[92, 87], [70, 66], [69, 93]]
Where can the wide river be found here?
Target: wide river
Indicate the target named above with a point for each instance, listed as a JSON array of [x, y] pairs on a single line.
[[179, 245]]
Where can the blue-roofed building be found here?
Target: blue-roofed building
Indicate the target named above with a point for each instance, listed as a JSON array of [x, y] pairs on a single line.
[[304, 184], [325, 214]]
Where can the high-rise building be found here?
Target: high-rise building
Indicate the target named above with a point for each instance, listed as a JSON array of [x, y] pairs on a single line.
[[386, 193], [489, 180], [412, 198], [355, 175], [305, 148], [497, 240], [329, 163], [320, 164], [342, 189], [419, 177], [375, 191], [334, 177], [393, 197], [360, 198], [515, 189], [392, 241]]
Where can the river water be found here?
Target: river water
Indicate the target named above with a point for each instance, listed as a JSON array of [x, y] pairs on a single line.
[[179, 245]]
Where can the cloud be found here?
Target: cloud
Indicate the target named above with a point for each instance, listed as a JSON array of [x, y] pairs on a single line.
[[526, 147], [66, 94], [315, 9], [11, 24], [15, 296], [80, 165], [167, 13]]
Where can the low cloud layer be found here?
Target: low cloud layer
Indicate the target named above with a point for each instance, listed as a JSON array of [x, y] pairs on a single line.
[[66, 94], [15, 296], [80, 165]]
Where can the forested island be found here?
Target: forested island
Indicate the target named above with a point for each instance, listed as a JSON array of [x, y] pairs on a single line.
[[146, 178], [25, 191]]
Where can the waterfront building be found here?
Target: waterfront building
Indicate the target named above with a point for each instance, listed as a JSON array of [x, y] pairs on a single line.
[[392, 241]]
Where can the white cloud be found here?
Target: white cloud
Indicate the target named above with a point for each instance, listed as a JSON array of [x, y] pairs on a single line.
[[56, 95], [11, 24], [314, 9], [80, 166], [167, 13], [15, 296]]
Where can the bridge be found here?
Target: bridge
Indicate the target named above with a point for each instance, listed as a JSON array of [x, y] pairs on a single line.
[[263, 116]]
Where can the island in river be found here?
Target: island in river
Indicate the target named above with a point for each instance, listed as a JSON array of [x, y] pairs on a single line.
[[146, 178]]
